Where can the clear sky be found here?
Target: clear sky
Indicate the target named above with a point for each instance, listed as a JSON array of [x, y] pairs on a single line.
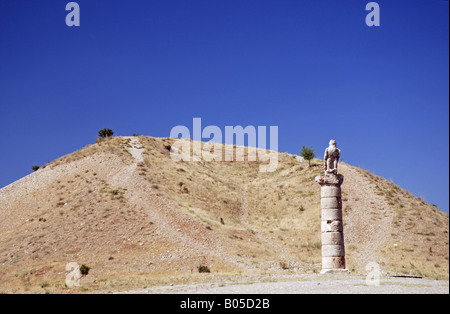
[[312, 68]]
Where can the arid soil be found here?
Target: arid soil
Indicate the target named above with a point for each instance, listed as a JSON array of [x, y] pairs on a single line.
[[138, 219], [306, 284]]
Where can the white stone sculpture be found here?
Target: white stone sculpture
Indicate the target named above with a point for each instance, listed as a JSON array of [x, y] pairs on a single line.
[[331, 158], [333, 248]]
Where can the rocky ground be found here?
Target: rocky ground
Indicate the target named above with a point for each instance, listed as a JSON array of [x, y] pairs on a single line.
[[137, 219], [307, 284]]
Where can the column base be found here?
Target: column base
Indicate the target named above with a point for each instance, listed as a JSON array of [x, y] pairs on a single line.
[[334, 271]]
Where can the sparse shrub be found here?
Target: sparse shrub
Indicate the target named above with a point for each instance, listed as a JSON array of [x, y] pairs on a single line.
[[35, 168], [105, 133], [84, 270], [203, 269], [45, 284], [308, 154]]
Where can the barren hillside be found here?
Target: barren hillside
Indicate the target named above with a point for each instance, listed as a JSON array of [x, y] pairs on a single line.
[[137, 218]]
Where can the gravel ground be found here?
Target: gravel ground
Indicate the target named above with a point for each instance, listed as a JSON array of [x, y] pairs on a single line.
[[309, 285]]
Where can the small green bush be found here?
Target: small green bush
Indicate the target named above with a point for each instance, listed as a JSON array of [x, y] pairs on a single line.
[[84, 270], [308, 154], [203, 269], [105, 133]]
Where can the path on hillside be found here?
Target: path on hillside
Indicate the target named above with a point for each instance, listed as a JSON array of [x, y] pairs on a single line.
[[136, 149], [368, 232], [174, 226], [284, 255]]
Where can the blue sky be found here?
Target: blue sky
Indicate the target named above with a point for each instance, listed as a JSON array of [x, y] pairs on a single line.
[[312, 68]]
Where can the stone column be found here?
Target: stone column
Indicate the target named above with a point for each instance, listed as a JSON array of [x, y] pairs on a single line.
[[333, 249]]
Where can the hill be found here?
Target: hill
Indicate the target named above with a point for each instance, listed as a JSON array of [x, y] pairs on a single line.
[[137, 218]]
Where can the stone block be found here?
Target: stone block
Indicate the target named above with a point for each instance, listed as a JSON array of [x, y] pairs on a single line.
[[331, 226], [332, 238], [331, 214], [333, 250], [331, 202], [333, 262], [330, 179], [330, 191]]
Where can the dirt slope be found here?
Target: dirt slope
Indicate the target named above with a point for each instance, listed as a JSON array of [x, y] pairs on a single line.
[[137, 218]]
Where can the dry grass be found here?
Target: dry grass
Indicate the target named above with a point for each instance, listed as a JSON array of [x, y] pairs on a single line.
[[416, 241], [143, 222]]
